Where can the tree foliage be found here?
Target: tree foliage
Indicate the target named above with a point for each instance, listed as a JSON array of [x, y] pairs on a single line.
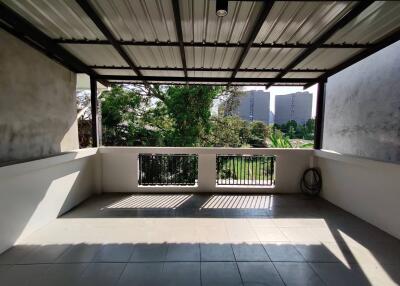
[[138, 115]]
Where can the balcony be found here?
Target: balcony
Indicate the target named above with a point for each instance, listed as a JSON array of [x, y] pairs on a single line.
[[137, 234], [198, 216]]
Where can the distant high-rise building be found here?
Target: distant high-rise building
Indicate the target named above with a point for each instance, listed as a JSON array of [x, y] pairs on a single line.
[[254, 106], [295, 106]]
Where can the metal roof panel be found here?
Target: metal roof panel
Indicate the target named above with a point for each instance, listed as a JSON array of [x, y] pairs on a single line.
[[138, 20], [57, 18], [100, 55], [298, 21]]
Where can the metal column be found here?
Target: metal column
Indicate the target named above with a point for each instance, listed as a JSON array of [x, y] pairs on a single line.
[[93, 101], [319, 117]]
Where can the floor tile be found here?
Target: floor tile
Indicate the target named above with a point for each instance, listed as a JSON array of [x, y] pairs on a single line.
[[319, 253], [220, 274], [149, 252], [79, 253], [101, 274], [250, 252], [64, 274], [23, 275], [338, 274], [259, 273], [142, 274], [283, 252], [114, 253], [15, 254], [45, 254], [297, 273], [216, 252], [181, 274], [183, 252], [269, 234]]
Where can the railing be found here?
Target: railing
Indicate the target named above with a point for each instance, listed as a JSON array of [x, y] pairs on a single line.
[[135, 169], [245, 170], [166, 169]]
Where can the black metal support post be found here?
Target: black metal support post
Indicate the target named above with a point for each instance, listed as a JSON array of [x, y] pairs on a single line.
[[319, 117], [93, 101]]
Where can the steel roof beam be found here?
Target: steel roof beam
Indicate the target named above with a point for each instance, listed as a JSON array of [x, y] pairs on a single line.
[[216, 44], [208, 69], [354, 12], [21, 28], [178, 28], [90, 11], [394, 37], [204, 79], [267, 6]]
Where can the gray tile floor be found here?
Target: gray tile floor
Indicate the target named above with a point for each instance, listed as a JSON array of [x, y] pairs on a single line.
[[204, 240]]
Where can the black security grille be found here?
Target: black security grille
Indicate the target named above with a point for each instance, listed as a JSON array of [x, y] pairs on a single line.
[[245, 170], [166, 169]]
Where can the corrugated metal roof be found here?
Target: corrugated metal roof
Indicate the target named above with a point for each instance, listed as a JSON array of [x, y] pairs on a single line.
[[155, 56], [139, 20], [153, 20], [327, 58], [298, 21], [270, 58], [57, 18], [303, 74], [382, 17], [257, 74], [100, 55], [212, 57], [209, 74], [200, 23], [115, 71], [162, 73]]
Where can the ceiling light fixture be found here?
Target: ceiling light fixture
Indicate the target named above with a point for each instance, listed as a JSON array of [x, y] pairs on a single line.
[[222, 8]]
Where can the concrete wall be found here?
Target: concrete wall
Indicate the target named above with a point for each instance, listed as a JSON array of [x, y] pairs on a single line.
[[366, 188], [362, 111], [34, 193], [119, 167], [295, 106], [37, 103]]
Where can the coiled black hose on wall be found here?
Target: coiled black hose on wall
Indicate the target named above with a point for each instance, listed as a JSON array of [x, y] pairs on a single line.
[[311, 182]]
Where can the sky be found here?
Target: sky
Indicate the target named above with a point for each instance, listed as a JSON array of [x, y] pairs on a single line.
[[281, 90]]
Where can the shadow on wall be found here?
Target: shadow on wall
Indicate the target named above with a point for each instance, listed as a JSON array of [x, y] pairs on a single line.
[[31, 200]]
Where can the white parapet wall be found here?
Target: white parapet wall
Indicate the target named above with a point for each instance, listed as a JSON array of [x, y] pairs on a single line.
[[120, 169], [366, 188], [34, 193]]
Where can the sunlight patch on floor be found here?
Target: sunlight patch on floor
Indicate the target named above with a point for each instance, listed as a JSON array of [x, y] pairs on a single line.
[[150, 202]]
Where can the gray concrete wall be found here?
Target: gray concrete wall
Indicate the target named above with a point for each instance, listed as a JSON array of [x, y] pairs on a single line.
[[362, 111], [37, 103], [295, 106]]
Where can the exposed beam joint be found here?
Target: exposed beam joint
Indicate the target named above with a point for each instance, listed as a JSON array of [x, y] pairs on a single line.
[[354, 12], [178, 27], [90, 11], [267, 6]]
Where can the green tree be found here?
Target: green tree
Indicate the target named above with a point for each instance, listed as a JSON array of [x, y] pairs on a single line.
[[120, 116], [259, 133], [190, 109], [228, 131]]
